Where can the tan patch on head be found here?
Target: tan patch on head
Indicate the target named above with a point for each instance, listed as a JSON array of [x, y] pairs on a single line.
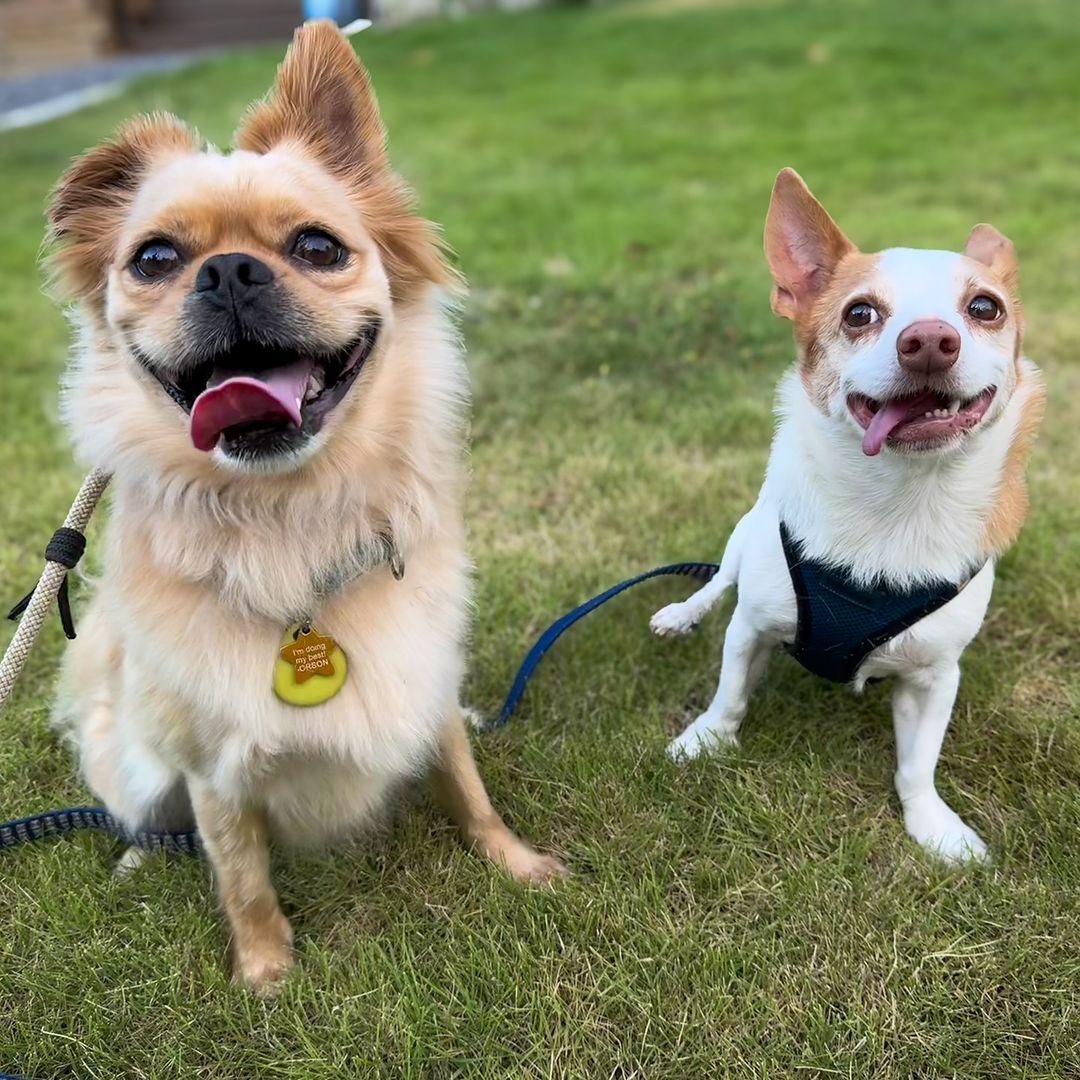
[[323, 102], [995, 252], [1011, 504], [819, 328], [214, 203], [88, 206], [814, 267], [987, 246]]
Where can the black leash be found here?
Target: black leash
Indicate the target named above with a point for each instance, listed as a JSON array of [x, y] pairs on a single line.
[[92, 819]]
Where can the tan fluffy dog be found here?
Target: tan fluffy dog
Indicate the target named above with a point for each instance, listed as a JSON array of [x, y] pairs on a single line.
[[267, 369]]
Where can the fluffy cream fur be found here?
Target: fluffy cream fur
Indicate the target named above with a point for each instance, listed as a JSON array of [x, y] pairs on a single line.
[[167, 691], [204, 569]]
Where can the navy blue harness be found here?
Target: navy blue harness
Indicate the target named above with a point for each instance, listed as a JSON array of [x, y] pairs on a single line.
[[840, 622]]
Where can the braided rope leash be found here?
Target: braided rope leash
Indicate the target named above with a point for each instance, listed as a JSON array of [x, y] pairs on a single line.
[[61, 555], [93, 818]]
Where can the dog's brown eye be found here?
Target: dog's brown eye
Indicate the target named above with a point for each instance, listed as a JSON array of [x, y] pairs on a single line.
[[156, 259], [861, 314], [984, 308], [318, 249]]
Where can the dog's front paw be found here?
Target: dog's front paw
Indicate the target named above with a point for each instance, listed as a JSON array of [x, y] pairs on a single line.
[[265, 957], [536, 869], [940, 831], [523, 863], [474, 718], [696, 740], [673, 620]]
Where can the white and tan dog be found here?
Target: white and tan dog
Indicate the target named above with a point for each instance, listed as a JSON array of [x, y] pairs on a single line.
[[267, 368], [896, 478]]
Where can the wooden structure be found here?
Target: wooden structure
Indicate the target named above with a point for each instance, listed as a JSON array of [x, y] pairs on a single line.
[[39, 34], [156, 25]]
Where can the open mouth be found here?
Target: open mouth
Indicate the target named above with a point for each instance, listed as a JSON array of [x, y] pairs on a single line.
[[926, 420], [252, 399]]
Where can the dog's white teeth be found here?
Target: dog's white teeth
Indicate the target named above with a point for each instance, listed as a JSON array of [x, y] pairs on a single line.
[[315, 387], [954, 407], [928, 416]]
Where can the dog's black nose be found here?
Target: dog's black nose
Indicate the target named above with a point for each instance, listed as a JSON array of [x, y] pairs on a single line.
[[232, 279]]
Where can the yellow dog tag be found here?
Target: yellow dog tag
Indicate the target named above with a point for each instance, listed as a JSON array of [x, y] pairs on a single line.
[[310, 668]]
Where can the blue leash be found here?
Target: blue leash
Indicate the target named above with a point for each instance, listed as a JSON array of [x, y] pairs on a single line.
[[700, 570], [86, 818]]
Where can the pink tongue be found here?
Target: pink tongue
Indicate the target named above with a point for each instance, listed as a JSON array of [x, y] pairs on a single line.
[[244, 399], [891, 415]]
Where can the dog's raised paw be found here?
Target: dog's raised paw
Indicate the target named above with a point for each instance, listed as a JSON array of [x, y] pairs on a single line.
[[474, 718], [673, 620]]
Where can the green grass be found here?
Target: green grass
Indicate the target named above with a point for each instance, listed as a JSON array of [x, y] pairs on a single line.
[[603, 175]]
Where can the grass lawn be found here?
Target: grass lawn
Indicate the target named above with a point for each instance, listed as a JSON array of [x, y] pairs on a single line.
[[604, 176]]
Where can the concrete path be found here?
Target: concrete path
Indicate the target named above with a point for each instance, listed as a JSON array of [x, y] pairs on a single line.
[[33, 99]]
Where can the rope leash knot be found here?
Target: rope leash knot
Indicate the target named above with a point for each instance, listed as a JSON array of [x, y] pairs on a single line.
[[66, 548], [61, 555]]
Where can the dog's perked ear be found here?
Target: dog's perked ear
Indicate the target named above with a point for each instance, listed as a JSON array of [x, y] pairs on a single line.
[[802, 245], [87, 207], [986, 245], [322, 101], [322, 97]]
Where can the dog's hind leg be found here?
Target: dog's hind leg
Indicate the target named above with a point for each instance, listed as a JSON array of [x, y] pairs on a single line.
[[746, 656], [460, 791], [105, 723], [682, 617]]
